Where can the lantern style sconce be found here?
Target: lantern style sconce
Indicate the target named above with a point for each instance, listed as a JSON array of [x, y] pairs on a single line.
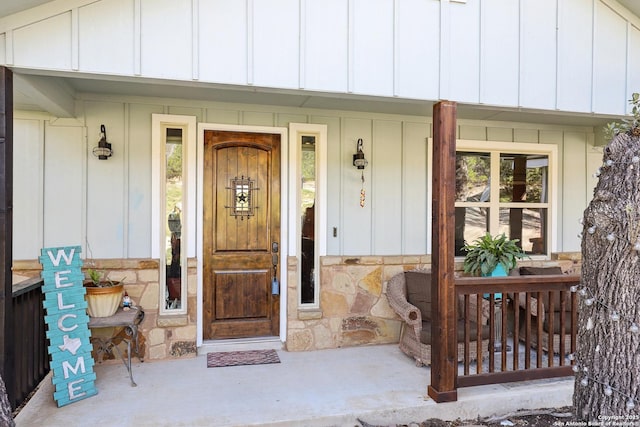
[[103, 150], [358, 159]]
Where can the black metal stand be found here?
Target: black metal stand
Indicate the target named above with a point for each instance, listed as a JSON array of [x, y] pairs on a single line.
[[129, 320]]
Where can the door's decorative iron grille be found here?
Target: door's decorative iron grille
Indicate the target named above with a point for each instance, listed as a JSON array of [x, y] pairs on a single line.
[[241, 197]]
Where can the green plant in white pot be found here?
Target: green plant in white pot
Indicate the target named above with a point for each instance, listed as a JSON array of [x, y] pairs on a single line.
[[492, 256], [103, 296]]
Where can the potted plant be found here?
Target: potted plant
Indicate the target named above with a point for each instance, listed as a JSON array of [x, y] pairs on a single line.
[[103, 296], [492, 256]]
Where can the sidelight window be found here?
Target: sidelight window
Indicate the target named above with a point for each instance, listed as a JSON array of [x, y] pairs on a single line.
[[308, 143], [172, 192]]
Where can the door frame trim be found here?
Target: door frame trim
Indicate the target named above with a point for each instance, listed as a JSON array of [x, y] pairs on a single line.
[[284, 219]]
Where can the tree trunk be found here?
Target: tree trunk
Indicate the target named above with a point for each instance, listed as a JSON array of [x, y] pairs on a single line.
[[6, 417], [607, 385]]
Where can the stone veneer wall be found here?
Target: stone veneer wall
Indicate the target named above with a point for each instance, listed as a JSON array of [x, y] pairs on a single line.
[[163, 336], [353, 304]]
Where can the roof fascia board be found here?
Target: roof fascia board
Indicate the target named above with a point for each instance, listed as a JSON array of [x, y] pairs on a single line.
[[623, 12], [39, 13]]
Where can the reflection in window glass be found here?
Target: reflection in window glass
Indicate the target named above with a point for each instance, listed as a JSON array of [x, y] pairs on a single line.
[[308, 206], [173, 209], [471, 223], [473, 174], [520, 206], [529, 225], [523, 178]]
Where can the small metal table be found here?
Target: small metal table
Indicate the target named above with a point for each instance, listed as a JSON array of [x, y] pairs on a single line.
[[129, 320]]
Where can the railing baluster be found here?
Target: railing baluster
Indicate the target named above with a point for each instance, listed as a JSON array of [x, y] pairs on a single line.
[[503, 333], [479, 322], [551, 325], [516, 331], [30, 346], [467, 333], [539, 323], [561, 329], [492, 332], [536, 329], [527, 331]]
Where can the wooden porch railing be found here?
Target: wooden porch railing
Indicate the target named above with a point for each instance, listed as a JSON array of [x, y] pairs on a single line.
[[30, 355], [520, 320]]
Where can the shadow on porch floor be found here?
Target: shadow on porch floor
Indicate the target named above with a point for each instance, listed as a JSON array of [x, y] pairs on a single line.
[[377, 384]]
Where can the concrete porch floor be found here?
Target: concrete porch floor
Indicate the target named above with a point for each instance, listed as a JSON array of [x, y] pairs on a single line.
[[377, 384]]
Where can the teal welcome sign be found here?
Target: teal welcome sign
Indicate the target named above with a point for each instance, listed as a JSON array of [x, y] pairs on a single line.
[[67, 324]]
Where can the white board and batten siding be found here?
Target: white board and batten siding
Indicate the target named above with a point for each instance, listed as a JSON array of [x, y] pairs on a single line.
[[28, 182], [107, 203], [569, 55]]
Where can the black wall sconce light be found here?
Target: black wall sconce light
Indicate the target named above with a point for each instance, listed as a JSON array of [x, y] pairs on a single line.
[[103, 150], [358, 159]]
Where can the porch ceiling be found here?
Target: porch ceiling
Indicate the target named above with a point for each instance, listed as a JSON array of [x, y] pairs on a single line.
[[56, 95]]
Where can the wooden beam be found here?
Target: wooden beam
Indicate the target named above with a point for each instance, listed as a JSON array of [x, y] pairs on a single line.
[[52, 95], [444, 360], [7, 364]]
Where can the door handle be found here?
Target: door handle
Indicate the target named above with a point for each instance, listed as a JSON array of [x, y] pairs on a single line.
[[275, 284]]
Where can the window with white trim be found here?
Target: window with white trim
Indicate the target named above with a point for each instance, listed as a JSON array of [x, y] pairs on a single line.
[[308, 151], [505, 188], [173, 206]]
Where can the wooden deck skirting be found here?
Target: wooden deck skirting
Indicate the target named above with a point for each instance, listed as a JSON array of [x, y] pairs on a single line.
[[523, 319]]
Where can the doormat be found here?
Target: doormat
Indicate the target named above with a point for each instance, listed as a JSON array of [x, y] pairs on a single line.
[[237, 358]]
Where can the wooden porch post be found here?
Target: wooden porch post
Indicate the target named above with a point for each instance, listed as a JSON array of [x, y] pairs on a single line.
[[444, 360], [6, 220]]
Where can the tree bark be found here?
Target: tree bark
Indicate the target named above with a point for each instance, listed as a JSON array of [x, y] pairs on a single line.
[[6, 417], [607, 385]]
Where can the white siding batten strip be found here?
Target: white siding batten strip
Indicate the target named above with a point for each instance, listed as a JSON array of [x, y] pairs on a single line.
[[302, 47], [403, 174], [85, 192], [445, 50], [125, 179], [480, 50], [250, 32], [396, 49], [559, 63], [195, 39], [351, 50], [8, 41], [555, 101], [75, 39], [137, 37], [520, 50], [593, 54]]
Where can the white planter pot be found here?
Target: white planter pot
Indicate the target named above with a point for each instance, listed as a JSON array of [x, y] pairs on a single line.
[[103, 301]]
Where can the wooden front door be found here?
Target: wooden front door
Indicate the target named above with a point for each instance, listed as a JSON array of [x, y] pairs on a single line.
[[241, 226]]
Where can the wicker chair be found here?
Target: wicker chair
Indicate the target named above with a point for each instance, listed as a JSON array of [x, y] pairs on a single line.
[[409, 295]]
